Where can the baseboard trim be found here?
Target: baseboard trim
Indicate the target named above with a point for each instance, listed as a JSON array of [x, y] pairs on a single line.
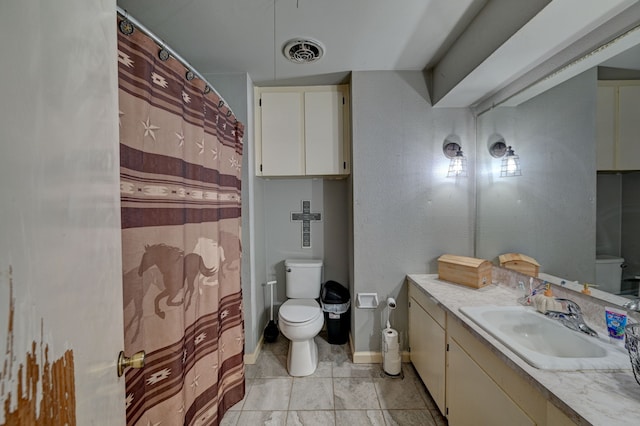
[[253, 357], [362, 357], [375, 357]]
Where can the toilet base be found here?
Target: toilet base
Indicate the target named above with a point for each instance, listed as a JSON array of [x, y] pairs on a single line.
[[302, 358]]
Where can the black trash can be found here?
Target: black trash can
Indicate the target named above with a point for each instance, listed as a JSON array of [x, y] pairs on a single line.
[[336, 304]]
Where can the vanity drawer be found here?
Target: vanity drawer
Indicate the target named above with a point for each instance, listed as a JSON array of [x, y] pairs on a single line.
[[427, 303]]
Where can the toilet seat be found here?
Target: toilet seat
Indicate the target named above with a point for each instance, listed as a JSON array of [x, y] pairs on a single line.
[[300, 311]]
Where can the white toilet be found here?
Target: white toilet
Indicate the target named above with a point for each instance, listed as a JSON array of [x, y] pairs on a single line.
[[609, 273], [301, 317]]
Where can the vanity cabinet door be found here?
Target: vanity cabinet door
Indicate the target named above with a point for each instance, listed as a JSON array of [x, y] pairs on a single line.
[[473, 398], [427, 340]]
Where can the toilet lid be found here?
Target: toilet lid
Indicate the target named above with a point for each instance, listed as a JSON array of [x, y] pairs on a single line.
[[299, 310]]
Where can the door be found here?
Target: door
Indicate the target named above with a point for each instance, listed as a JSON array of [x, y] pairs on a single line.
[[428, 349], [324, 132], [60, 273], [282, 133], [473, 396], [628, 149]]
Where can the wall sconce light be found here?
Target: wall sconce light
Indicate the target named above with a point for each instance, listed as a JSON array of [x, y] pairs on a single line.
[[510, 160], [453, 151]]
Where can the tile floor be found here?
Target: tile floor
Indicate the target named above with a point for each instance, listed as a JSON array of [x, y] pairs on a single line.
[[338, 393]]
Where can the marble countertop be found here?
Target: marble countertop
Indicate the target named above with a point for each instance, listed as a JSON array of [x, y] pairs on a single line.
[[596, 397]]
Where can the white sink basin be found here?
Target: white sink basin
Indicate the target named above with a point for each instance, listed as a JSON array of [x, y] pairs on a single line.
[[545, 343]]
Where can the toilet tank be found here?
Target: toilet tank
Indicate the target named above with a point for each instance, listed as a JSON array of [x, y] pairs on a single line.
[[303, 278], [609, 273]]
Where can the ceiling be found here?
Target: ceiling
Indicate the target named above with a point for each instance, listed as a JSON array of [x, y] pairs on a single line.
[[472, 48], [222, 36]]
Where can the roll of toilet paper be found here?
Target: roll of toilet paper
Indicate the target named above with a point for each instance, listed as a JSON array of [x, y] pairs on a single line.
[[391, 362], [390, 339], [391, 303]]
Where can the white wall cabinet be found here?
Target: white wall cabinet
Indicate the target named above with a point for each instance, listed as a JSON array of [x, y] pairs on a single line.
[[618, 125], [428, 343], [302, 131]]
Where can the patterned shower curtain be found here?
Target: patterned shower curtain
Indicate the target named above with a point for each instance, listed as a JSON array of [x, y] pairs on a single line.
[[180, 158]]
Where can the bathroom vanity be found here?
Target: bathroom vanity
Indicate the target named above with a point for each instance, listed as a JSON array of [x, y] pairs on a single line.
[[472, 376]]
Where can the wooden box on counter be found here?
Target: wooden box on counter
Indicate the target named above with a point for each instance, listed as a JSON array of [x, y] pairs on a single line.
[[520, 262], [468, 271]]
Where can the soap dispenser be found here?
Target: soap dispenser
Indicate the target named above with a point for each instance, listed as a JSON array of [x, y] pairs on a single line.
[[546, 301]]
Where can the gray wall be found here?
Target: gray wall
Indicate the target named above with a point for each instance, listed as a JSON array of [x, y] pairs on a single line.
[[548, 212], [406, 212], [283, 237]]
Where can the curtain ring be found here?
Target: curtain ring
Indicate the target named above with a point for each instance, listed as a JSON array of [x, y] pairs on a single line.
[[221, 103], [189, 76], [229, 113], [207, 89], [126, 27], [163, 54]]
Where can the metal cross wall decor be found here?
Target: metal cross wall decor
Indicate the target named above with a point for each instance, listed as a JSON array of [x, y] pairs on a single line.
[[306, 217]]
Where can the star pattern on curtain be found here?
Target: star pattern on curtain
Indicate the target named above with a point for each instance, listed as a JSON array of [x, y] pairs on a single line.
[[234, 162], [149, 129], [194, 382], [180, 139]]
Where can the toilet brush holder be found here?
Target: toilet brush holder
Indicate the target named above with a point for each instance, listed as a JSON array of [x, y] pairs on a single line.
[[271, 331]]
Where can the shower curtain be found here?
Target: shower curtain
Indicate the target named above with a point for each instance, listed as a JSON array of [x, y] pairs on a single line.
[[180, 158]]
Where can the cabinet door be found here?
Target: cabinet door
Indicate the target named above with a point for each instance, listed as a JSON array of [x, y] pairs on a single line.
[[324, 131], [282, 133], [628, 150], [473, 398], [427, 340], [606, 127]]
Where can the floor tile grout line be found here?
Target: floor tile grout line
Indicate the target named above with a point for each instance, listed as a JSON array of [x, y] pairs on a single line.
[[334, 360]]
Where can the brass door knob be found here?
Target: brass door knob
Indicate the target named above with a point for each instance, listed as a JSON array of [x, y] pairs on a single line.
[[135, 361]]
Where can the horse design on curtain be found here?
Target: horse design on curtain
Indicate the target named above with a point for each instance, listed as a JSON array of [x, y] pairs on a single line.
[[180, 180]]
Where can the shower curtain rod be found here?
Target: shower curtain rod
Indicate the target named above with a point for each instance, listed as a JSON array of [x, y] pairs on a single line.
[[172, 52]]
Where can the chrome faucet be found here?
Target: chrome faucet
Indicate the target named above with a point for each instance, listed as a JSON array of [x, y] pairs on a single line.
[[633, 305], [572, 318]]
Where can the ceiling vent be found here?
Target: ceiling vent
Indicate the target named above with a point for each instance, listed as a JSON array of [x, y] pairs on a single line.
[[303, 51]]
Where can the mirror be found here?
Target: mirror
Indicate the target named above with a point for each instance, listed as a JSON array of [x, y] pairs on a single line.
[[561, 211]]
